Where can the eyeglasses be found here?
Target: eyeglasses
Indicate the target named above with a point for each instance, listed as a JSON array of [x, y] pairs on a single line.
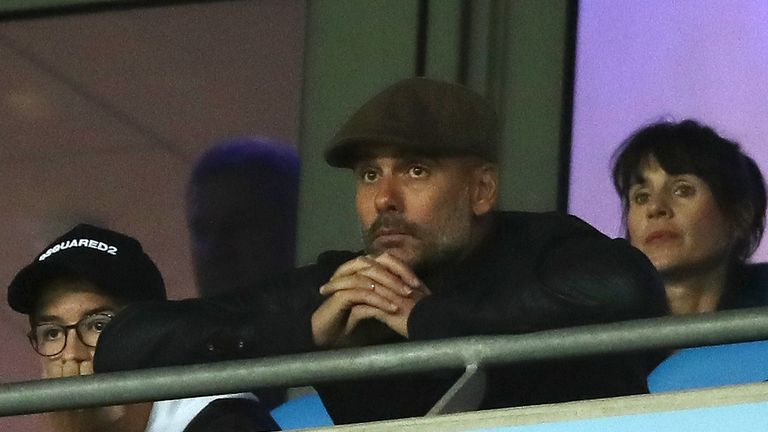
[[49, 339]]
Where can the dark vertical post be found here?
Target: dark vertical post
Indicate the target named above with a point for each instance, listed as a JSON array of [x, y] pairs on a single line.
[[566, 125], [421, 38]]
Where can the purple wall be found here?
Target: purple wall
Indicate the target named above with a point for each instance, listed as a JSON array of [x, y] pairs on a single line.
[[641, 61]]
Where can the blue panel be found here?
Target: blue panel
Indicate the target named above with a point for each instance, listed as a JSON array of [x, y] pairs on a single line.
[[303, 412], [711, 366]]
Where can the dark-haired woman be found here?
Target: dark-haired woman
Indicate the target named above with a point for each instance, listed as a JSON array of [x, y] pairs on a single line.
[[695, 204]]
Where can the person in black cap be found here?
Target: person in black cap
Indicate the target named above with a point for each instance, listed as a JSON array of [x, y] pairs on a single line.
[[438, 262], [71, 291], [88, 274]]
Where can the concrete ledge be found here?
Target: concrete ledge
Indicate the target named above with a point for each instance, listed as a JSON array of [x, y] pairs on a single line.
[[612, 407]]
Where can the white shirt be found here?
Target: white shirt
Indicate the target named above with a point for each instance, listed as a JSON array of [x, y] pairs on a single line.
[[175, 415]]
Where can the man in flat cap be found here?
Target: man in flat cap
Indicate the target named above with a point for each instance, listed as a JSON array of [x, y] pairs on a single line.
[[438, 262]]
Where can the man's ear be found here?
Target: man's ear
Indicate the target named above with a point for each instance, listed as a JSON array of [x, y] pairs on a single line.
[[484, 188]]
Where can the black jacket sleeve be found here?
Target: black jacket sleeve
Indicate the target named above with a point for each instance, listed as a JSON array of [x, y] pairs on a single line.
[[172, 333], [184, 332], [271, 319], [541, 272]]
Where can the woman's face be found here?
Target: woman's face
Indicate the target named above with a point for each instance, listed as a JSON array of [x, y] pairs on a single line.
[[64, 304], [676, 222]]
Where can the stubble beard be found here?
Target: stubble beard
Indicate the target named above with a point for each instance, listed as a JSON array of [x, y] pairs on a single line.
[[444, 241]]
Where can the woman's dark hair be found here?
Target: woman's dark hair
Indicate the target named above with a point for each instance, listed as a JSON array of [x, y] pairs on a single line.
[[689, 147]]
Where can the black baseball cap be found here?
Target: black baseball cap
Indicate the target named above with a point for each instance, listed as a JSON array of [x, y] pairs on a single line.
[[419, 115], [114, 262]]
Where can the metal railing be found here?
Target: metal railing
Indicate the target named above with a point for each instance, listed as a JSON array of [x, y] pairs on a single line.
[[376, 361]]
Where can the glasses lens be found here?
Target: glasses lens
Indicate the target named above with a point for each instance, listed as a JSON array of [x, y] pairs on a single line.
[[48, 339], [90, 327]]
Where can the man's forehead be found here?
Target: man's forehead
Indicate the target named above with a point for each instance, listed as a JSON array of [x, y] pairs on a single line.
[[373, 152]]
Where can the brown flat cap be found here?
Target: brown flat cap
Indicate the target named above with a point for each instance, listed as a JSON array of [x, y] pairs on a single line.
[[421, 115]]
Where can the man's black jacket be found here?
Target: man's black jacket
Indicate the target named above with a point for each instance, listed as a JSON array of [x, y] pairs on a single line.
[[533, 272]]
